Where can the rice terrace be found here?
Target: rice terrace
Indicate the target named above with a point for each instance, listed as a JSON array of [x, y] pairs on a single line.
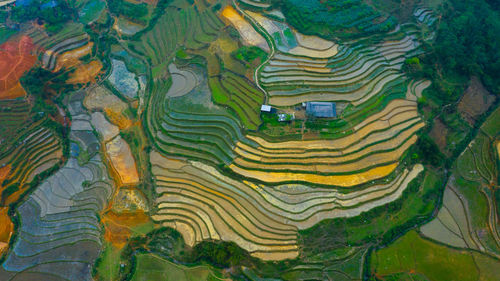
[[258, 140]]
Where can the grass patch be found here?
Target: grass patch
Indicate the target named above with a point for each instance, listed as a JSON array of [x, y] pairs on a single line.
[[153, 267], [411, 253], [492, 124], [109, 263], [5, 34], [91, 11]]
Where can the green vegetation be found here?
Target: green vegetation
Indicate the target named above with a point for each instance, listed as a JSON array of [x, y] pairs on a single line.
[[91, 11], [466, 45], [491, 126], [239, 94], [152, 267], [381, 224], [249, 54], [5, 34], [133, 12], [42, 10], [346, 18], [428, 152], [233, 192], [414, 255], [108, 264]]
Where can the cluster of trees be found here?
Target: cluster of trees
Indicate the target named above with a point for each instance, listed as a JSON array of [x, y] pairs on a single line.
[[168, 243], [467, 44], [134, 12], [334, 18], [249, 54], [427, 152], [44, 83], [223, 254], [51, 12]]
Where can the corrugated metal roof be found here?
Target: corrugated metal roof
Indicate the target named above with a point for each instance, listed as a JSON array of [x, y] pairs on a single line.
[[321, 109], [265, 108]]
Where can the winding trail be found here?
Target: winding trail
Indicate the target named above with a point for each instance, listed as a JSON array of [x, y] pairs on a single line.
[[270, 42]]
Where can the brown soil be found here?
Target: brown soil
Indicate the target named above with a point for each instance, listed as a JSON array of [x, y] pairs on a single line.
[[118, 226], [72, 58], [14, 92], [438, 134], [129, 200], [85, 73], [4, 172], [118, 118], [15, 58], [475, 101], [119, 155], [6, 228]]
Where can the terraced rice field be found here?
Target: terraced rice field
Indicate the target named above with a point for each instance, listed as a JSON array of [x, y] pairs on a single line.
[[240, 95], [275, 188], [63, 48], [27, 148], [373, 146], [71, 57], [91, 11], [215, 175], [201, 203], [191, 125], [117, 151], [308, 68], [123, 80], [60, 235], [122, 161], [196, 30], [183, 81], [247, 32], [425, 16], [126, 27], [415, 89], [469, 217], [193, 28], [99, 98], [165, 131]]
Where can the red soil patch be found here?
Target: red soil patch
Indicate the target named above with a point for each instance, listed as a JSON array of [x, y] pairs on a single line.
[[118, 226], [14, 92], [15, 58], [6, 229]]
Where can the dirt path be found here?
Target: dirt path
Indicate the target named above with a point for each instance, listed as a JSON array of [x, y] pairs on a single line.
[[270, 42], [472, 234], [492, 218]]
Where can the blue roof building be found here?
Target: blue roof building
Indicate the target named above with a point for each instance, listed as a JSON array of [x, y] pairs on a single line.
[[321, 109]]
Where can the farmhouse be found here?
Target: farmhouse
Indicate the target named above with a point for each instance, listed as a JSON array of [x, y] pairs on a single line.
[[321, 109], [285, 117], [265, 108]]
